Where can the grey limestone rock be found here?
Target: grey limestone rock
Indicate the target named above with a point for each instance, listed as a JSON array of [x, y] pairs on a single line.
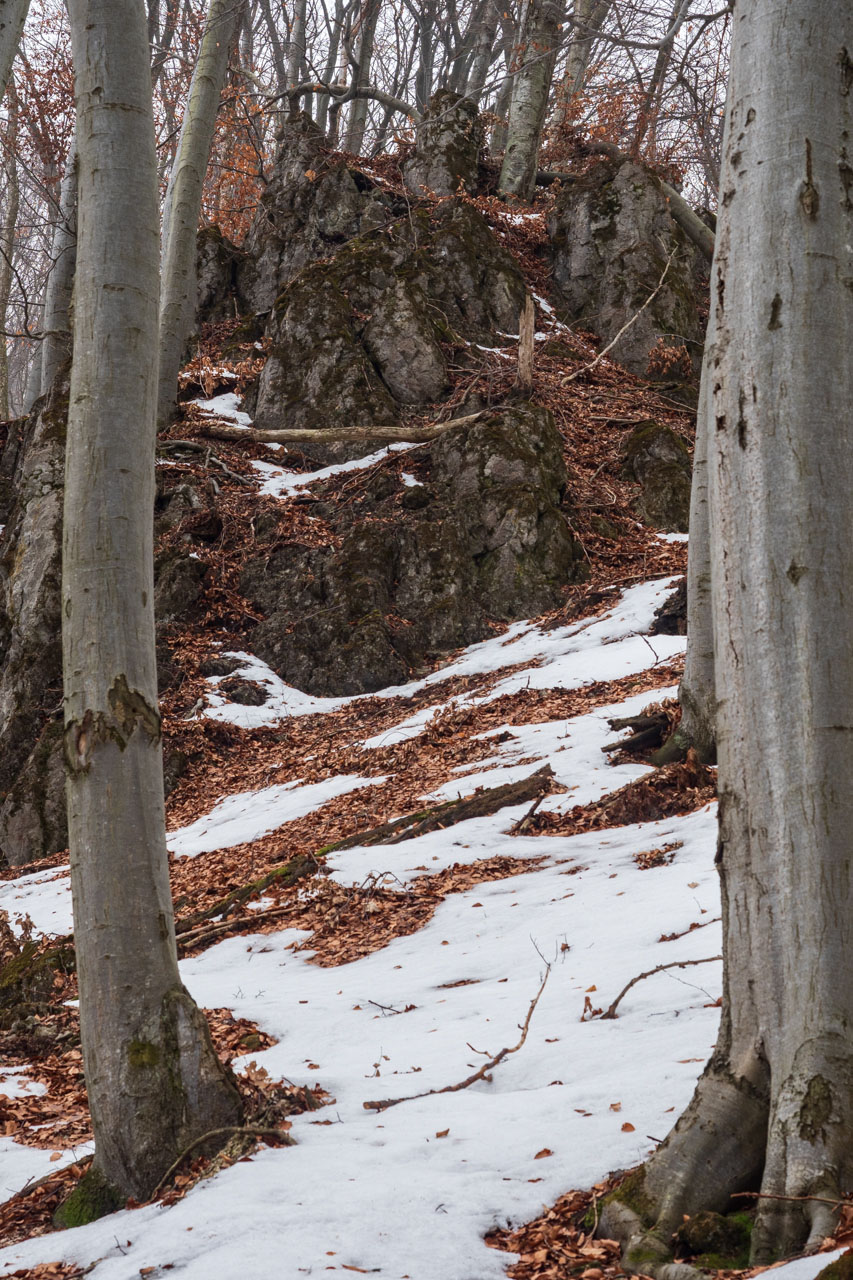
[[32, 780], [611, 235], [658, 458], [447, 147], [487, 538]]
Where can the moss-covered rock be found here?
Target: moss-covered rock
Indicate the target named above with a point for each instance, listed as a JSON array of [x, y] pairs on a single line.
[[219, 264], [840, 1269], [28, 977], [487, 539], [447, 147], [717, 1241], [92, 1198], [658, 458], [311, 206], [355, 337], [611, 237]]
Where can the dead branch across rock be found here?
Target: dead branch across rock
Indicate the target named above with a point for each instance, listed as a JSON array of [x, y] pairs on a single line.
[[350, 435]]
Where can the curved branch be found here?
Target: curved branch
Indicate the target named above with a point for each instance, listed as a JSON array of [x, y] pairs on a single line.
[[342, 93]]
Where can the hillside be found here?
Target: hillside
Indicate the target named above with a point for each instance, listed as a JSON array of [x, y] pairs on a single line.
[[411, 875]]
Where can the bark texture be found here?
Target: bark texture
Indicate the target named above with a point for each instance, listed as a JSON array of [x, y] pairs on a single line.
[[698, 691], [56, 347], [529, 102], [183, 198], [774, 1109], [13, 15], [154, 1080]]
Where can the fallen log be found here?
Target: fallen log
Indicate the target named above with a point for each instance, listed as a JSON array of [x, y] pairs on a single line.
[[340, 435], [482, 804]]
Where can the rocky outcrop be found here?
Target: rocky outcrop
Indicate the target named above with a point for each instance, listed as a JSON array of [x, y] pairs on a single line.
[[219, 267], [418, 568], [611, 237], [32, 768], [32, 778], [312, 205], [447, 147], [658, 458], [357, 337]]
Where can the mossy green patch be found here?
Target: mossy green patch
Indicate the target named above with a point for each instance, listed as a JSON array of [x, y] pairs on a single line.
[[143, 1055], [632, 1193], [840, 1269], [93, 1197], [717, 1241], [816, 1110]]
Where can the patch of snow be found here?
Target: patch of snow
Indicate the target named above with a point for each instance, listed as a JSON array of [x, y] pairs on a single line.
[[252, 814], [226, 406], [411, 1191], [20, 1165], [44, 896], [604, 648], [673, 537], [409, 481], [15, 1083], [497, 351], [280, 482]]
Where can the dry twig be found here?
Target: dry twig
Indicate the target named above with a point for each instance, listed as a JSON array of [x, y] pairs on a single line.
[[673, 964], [482, 1074]]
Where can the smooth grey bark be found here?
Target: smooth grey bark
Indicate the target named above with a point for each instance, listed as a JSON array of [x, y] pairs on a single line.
[[7, 242], [13, 15], [357, 123], [154, 1080], [56, 347], [296, 45], [773, 1111], [588, 17], [483, 51], [335, 26], [697, 693], [529, 102], [183, 197]]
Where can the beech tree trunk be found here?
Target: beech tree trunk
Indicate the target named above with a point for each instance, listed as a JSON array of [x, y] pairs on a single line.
[[773, 1111], [698, 691], [183, 198], [357, 123], [484, 44], [154, 1080], [529, 102], [588, 15], [56, 347], [13, 15]]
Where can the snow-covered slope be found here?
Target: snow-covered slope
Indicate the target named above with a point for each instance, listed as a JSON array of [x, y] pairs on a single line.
[[409, 1192]]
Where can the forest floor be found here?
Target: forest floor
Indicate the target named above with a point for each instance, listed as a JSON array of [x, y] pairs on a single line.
[[424, 1010]]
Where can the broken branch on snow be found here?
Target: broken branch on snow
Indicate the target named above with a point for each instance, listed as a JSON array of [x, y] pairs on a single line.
[[673, 964], [482, 1074]]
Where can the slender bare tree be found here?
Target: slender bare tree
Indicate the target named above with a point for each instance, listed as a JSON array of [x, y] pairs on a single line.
[[529, 103], [56, 346], [773, 1111], [13, 15], [154, 1080], [183, 198]]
